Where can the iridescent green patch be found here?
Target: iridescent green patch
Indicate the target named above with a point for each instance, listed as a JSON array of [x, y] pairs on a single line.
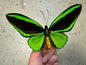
[[59, 39]]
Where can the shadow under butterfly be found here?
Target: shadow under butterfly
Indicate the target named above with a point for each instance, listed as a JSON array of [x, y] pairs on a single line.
[[38, 35]]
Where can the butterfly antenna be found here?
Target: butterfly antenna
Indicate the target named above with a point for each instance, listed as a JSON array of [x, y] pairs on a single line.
[[48, 15], [43, 16]]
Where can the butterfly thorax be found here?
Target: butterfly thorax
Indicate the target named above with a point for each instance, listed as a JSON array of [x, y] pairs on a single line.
[[46, 31], [47, 38]]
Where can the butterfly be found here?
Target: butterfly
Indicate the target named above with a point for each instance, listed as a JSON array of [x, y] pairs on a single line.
[[55, 33]]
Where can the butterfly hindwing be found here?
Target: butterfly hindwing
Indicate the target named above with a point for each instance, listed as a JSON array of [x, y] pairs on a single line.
[[24, 25], [59, 39], [36, 42], [66, 20]]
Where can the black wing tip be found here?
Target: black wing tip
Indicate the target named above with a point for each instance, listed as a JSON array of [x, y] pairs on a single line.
[[77, 4], [6, 15], [80, 5], [13, 14], [16, 14], [78, 8]]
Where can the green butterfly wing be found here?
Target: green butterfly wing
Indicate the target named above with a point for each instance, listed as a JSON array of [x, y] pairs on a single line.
[[36, 42], [59, 39], [26, 26], [65, 21]]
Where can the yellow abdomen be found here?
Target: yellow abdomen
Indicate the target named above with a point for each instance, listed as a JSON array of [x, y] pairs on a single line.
[[48, 42]]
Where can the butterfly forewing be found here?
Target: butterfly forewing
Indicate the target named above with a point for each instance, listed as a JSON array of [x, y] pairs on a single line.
[[24, 25], [66, 20]]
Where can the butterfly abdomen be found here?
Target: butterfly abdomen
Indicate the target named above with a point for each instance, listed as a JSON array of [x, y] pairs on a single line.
[[48, 42]]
